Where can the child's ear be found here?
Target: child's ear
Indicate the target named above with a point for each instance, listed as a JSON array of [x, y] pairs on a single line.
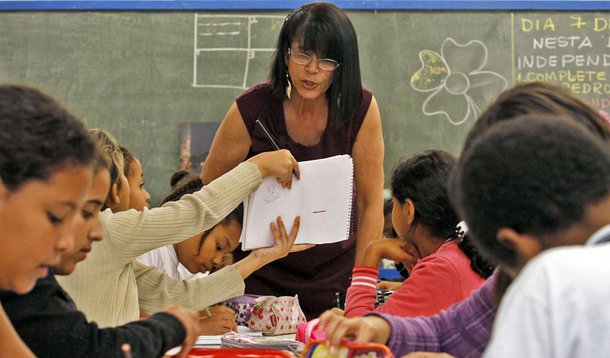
[[524, 246], [409, 211], [113, 196]]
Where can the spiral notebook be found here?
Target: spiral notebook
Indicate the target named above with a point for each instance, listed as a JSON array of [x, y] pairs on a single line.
[[322, 198]]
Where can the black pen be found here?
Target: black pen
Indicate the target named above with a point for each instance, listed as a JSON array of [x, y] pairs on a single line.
[[270, 139]]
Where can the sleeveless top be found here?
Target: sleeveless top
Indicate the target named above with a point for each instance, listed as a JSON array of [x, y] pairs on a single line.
[[316, 274]]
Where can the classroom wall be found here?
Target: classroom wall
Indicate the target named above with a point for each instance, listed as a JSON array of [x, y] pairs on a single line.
[[140, 75]]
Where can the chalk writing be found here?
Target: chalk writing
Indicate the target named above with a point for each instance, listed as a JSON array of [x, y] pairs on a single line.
[[571, 50], [456, 79], [217, 40]]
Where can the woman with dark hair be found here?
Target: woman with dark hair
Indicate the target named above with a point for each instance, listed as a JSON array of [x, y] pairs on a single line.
[[314, 105], [427, 227], [46, 168]]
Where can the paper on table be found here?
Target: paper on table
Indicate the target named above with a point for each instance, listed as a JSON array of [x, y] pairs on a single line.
[[215, 340], [322, 198]]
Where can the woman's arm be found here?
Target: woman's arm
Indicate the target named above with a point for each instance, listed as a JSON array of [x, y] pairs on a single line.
[[368, 153], [230, 146]]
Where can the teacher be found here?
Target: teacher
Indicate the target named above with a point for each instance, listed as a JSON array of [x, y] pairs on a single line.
[[313, 105]]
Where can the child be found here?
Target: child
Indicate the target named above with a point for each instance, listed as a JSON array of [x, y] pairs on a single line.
[[426, 224], [202, 253], [111, 287], [138, 195], [465, 328], [46, 160], [50, 306]]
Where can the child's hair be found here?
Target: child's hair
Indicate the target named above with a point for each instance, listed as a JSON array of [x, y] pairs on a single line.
[[180, 177], [541, 98], [112, 152], [128, 158], [535, 174], [193, 185], [424, 178], [38, 137]]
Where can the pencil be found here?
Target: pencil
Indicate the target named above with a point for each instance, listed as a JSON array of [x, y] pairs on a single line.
[[271, 141]]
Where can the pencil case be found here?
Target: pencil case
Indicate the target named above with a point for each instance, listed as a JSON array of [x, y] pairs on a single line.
[[347, 349], [242, 305], [276, 315]]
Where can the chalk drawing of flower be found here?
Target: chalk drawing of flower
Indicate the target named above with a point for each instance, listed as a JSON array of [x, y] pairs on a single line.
[[455, 78]]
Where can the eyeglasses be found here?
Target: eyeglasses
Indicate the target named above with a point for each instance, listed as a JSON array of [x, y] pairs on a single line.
[[302, 59]]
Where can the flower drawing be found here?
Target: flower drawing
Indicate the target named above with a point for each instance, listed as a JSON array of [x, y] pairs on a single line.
[[456, 80]]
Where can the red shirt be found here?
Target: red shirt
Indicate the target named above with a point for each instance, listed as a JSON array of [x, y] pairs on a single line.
[[436, 282]]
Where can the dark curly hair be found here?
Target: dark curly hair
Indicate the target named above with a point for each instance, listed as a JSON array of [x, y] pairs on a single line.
[[38, 136], [193, 184], [535, 174], [423, 178]]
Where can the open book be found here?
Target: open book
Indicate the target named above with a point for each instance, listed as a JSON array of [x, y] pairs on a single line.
[[322, 198]]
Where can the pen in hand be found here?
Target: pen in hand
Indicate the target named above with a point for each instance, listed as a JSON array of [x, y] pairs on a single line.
[[271, 141]]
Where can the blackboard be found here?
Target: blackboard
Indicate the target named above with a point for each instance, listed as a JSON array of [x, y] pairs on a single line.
[[141, 74]]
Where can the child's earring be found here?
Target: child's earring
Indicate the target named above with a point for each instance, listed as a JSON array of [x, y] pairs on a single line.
[[288, 86]]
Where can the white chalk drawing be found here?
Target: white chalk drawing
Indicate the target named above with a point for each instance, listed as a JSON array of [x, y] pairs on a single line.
[[220, 40], [456, 80]]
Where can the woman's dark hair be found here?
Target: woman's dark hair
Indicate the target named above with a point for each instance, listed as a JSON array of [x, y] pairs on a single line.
[[424, 179], [325, 30], [128, 158], [539, 98], [193, 185], [38, 136]]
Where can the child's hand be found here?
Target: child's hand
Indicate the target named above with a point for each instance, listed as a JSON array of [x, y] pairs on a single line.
[[280, 164], [397, 250], [362, 329], [218, 324], [284, 243]]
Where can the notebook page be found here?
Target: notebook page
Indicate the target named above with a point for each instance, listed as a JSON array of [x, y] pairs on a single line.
[[322, 197]]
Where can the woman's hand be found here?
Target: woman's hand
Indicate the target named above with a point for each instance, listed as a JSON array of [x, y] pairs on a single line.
[[280, 164], [362, 329]]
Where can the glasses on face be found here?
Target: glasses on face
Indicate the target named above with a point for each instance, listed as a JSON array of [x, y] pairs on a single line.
[[302, 59]]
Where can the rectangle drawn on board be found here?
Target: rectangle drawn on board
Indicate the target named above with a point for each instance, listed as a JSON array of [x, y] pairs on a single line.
[[322, 198], [195, 141], [233, 51]]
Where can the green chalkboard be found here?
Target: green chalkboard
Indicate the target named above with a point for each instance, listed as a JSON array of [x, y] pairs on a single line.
[[141, 75]]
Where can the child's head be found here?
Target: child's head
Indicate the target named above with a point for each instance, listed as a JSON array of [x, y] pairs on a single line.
[[88, 227], [46, 158], [138, 195], [211, 249], [118, 196], [523, 185], [539, 98], [421, 201]]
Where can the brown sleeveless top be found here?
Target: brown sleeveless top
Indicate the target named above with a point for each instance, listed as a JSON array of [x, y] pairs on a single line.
[[318, 273]]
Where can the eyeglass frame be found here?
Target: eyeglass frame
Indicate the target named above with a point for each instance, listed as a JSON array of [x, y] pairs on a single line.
[[317, 61]]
